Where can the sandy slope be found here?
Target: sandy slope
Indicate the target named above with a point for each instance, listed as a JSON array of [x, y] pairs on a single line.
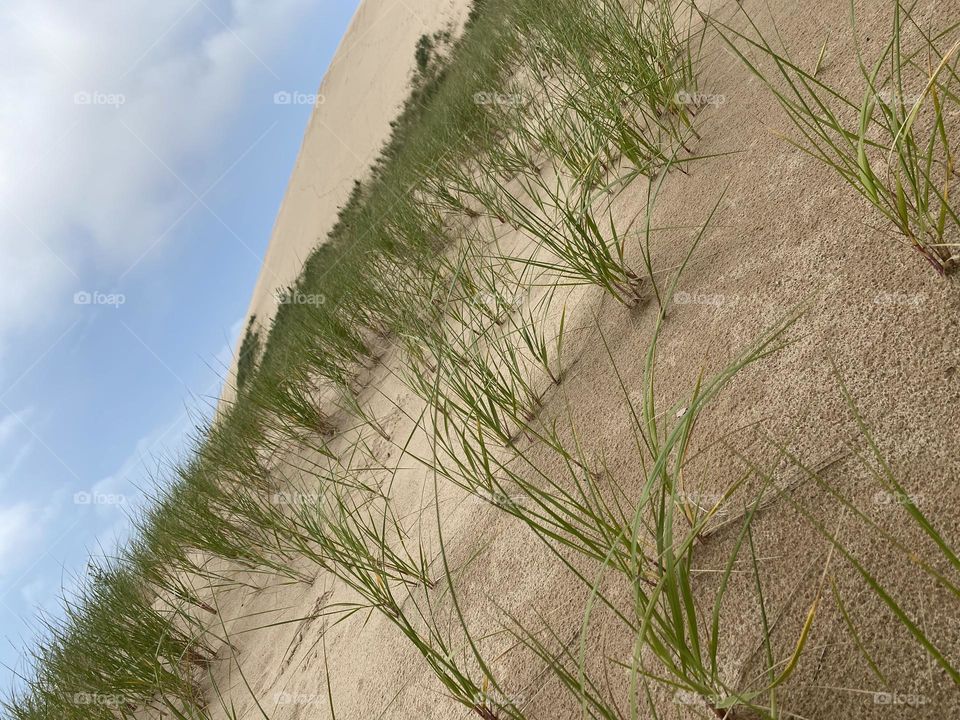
[[788, 233], [363, 90]]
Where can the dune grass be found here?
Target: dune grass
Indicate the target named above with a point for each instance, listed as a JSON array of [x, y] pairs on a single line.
[[542, 115], [939, 564], [894, 140], [249, 353]]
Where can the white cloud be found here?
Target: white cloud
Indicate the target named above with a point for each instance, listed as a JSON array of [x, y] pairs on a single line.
[[13, 422], [89, 186], [8, 426], [12, 455], [10, 469], [41, 594], [19, 532]]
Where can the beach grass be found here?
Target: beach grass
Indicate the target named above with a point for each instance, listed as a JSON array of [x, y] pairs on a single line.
[[892, 139], [532, 126]]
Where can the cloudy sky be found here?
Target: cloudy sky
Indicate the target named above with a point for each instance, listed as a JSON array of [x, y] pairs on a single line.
[[143, 158]]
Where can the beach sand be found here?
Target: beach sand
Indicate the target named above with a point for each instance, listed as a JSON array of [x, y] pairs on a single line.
[[788, 234]]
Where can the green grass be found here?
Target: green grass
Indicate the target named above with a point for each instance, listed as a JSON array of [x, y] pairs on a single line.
[[115, 650], [640, 537], [893, 142], [249, 354], [939, 564], [538, 118]]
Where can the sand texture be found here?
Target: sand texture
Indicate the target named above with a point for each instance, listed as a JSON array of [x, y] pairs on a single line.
[[787, 234]]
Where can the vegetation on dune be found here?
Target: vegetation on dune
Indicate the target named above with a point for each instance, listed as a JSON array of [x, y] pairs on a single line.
[[534, 122], [249, 354], [429, 55], [893, 140]]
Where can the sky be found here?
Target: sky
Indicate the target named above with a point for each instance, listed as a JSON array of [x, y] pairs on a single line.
[[145, 148]]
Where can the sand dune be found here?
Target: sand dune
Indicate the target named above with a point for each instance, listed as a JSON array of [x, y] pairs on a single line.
[[551, 496], [362, 92], [741, 285]]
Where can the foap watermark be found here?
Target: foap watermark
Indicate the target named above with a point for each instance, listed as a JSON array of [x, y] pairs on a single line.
[[899, 299], [501, 500], [499, 99], [885, 499], [494, 300], [289, 698], [295, 297], [295, 498], [704, 501], [699, 99], [285, 97], [702, 298], [896, 98], [98, 498], [97, 98], [115, 300], [493, 699], [689, 698], [895, 698], [107, 701], [637, 398]]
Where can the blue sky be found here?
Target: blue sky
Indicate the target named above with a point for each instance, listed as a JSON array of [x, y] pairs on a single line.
[[143, 159]]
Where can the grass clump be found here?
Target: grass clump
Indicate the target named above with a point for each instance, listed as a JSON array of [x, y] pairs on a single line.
[[250, 349], [894, 141], [937, 563], [114, 651]]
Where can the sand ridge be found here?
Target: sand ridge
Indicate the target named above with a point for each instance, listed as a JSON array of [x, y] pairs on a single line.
[[362, 92], [789, 233]]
